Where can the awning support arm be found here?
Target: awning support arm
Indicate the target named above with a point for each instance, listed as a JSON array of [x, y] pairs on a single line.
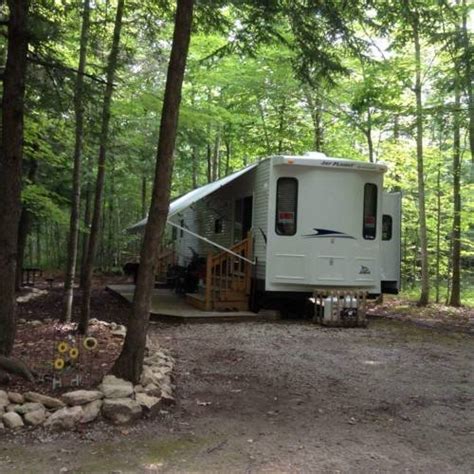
[[210, 242]]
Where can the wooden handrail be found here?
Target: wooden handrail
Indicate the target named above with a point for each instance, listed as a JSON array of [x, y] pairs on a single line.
[[228, 276]]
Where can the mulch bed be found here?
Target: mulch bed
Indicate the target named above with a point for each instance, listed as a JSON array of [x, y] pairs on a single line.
[[37, 345]]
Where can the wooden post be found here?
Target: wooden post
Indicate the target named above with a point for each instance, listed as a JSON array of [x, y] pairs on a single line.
[[208, 302]]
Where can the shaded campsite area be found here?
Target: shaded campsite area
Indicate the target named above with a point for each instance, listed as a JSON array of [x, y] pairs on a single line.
[[283, 395]]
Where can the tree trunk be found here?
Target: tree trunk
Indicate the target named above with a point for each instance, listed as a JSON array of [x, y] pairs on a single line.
[[368, 134], [228, 151], [455, 299], [315, 110], [467, 53], [99, 188], [281, 125], [195, 161], [24, 227], [216, 156], [209, 159], [11, 152], [265, 131], [438, 231], [425, 281], [144, 194], [76, 174], [130, 362], [85, 234]]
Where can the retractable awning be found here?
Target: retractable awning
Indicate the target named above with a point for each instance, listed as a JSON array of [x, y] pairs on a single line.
[[188, 199]]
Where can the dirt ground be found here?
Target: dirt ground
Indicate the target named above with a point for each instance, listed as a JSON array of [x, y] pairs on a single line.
[[287, 396]]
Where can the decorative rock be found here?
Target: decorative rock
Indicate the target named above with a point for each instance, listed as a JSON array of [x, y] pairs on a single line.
[[21, 321], [153, 390], [28, 407], [147, 401], [121, 410], [16, 397], [35, 418], [12, 420], [35, 323], [48, 402], [91, 411], [81, 397], [64, 419], [138, 388], [11, 407], [147, 376], [120, 331], [113, 387]]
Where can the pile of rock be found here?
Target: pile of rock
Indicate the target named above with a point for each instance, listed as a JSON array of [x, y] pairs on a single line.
[[115, 399]]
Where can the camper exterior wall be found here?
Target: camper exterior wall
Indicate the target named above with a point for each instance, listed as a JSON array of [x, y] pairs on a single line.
[[201, 218], [328, 248], [260, 216], [184, 242]]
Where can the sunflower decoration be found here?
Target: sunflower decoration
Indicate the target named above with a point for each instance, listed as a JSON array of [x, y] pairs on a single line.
[[90, 343], [59, 363], [63, 347], [74, 353]]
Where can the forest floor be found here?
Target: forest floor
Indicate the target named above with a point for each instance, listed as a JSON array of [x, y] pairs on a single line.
[[284, 396]]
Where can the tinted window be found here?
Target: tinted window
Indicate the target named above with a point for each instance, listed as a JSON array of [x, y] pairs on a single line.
[[218, 227], [286, 206], [386, 227], [369, 229]]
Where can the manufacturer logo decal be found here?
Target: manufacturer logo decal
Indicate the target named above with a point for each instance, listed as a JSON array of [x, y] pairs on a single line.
[[327, 233], [364, 270]]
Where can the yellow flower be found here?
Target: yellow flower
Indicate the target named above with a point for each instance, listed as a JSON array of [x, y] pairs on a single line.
[[59, 363], [63, 347], [90, 343], [74, 353]]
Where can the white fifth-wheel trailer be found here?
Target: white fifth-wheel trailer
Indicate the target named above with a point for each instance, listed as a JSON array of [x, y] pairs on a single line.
[[311, 223]]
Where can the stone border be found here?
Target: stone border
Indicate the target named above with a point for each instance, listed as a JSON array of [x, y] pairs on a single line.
[[116, 400]]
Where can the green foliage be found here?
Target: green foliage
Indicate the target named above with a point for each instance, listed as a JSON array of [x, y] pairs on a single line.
[[263, 77]]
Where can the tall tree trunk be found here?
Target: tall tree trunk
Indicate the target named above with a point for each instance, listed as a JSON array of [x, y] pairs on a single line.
[[368, 133], [216, 156], [438, 231], [265, 131], [281, 125], [467, 58], [315, 110], [425, 281], [195, 162], [228, 150], [85, 234], [76, 174], [24, 226], [209, 159], [144, 194], [11, 152], [455, 299], [99, 188], [130, 362]]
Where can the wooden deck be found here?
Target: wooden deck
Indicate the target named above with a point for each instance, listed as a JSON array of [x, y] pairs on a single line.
[[168, 305]]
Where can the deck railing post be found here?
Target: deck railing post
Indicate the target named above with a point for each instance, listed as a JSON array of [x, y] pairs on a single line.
[[208, 295]]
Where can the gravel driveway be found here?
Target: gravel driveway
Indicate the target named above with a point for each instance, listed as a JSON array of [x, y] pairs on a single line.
[[289, 396]]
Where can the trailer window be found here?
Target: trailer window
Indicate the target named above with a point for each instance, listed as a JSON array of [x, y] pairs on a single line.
[[218, 226], [369, 228], [387, 227], [286, 206]]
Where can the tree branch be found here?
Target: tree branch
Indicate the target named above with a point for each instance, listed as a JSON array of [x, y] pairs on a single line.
[[42, 62]]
